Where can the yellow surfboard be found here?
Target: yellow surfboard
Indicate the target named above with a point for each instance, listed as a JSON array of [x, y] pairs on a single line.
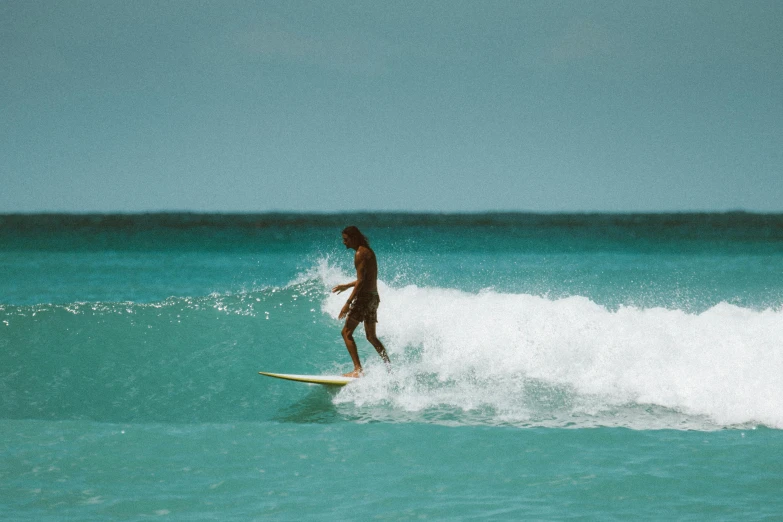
[[333, 380]]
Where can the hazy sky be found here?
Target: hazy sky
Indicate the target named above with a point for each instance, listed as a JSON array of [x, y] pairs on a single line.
[[383, 105]]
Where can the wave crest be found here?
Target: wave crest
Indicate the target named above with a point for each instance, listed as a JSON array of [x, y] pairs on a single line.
[[529, 359]]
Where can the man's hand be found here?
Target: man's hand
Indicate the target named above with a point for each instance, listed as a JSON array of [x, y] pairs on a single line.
[[345, 310], [340, 288]]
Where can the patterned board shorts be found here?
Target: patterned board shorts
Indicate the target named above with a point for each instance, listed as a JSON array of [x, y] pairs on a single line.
[[364, 308]]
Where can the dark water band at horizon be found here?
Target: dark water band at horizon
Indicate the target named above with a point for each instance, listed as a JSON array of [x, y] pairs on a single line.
[[186, 219], [732, 231]]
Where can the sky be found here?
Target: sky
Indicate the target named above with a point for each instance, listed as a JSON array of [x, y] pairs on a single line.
[[449, 106]]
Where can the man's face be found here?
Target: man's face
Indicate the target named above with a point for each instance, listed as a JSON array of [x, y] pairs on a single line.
[[346, 241]]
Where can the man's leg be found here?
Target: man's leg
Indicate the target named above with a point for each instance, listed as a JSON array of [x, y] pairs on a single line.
[[350, 326], [369, 329]]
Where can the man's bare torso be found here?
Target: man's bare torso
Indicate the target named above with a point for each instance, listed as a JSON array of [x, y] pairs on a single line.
[[365, 260]]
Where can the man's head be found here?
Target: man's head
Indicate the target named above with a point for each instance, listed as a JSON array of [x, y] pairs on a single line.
[[352, 238]]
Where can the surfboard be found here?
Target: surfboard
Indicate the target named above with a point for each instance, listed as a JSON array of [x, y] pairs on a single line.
[[334, 380]]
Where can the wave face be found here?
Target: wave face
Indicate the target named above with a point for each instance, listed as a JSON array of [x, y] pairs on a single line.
[[486, 358], [645, 322]]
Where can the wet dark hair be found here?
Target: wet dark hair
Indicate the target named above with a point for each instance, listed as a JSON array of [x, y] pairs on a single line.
[[354, 233]]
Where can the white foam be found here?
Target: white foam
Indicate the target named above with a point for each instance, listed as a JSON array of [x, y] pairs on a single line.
[[523, 359], [324, 272]]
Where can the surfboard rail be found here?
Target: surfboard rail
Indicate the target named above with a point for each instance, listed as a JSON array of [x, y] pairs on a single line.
[[329, 380]]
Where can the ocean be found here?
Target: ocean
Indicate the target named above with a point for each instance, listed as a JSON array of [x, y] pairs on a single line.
[[544, 367]]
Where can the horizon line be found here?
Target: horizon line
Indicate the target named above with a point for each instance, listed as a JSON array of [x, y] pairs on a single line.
[[383, 212]]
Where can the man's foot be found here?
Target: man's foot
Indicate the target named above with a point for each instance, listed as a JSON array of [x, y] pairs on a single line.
[[355, 373]]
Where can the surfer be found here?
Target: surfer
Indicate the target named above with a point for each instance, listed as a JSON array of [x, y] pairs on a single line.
[[362, 305]]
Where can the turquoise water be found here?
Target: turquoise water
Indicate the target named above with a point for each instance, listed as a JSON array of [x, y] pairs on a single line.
[[544, 367]]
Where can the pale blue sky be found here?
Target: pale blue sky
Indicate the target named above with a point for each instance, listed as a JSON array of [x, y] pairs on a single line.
[[422, 106]]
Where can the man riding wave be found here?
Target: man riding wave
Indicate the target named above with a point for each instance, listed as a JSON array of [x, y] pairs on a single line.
[[362, 305]]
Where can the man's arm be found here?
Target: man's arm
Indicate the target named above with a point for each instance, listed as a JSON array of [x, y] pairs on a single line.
[[358, 285], [342, 288]]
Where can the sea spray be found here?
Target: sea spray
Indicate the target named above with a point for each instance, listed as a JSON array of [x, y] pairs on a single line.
[[496, 351]]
